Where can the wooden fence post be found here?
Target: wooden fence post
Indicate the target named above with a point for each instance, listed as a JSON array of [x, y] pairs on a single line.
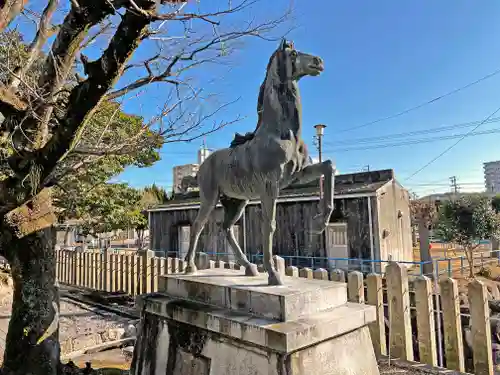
[[71, 268], [375, 297], [279, 264], [116, 272], [102, 270], [78, 269], [306, 273], [65, 265], [127, 271], [182, 265], [153, 278], [107, 271], [480, 328], [138, 275], [58, 265], [201, 261], [401, 345], [338, 275], [425, 321], [320, 274], [453, 341], [86, 268], [292, 271], [355, 287], [146, 273], [121, 272], [97, 269]]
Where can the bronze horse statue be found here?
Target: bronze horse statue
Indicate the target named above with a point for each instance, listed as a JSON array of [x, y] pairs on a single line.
[[260, 164]]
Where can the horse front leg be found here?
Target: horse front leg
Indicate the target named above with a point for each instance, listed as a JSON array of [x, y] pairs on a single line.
[[268, 202], [313, 172]]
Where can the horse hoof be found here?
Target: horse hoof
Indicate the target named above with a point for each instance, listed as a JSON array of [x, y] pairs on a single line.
[[274, 279], [190, 269], [251, 270]]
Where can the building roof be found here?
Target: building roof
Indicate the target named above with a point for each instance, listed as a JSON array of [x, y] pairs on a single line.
[[346, 185], [450, 195]]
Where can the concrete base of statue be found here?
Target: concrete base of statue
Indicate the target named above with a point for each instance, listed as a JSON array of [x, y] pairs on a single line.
[[221, 322]]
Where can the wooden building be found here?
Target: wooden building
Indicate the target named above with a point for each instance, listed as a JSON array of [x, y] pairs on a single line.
[[371, 220]]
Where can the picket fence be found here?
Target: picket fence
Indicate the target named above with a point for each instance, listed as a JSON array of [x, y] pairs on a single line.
[[396, 296]]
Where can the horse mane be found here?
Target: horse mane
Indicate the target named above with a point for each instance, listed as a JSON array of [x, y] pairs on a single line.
[[240, 139]]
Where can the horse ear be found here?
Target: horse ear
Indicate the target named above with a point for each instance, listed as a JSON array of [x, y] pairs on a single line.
[[283, 44]]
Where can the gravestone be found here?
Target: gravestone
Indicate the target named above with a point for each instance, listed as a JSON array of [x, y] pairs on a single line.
[[221, 322]]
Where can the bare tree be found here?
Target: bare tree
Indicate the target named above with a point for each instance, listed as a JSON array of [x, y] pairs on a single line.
[[44, 138]]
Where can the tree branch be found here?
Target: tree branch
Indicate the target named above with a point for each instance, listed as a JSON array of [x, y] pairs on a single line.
[[84, 98], [60, 60], [9, 10], [36, 45]]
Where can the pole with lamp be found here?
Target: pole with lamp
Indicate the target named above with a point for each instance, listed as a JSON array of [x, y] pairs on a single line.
[[320, 128]]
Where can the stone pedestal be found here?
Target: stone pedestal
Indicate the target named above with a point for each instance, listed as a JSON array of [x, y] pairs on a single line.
[[221, 322]]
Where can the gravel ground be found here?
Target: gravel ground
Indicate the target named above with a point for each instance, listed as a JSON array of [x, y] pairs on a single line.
[[386, 370]]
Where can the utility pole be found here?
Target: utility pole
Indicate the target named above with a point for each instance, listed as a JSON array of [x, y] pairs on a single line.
[[319, 137], [453, 183], [366, 168]]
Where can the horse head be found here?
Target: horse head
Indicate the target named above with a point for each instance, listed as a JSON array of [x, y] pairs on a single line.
[[289, 63]]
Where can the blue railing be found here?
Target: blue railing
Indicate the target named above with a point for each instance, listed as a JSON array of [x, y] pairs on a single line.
[[441, 266]]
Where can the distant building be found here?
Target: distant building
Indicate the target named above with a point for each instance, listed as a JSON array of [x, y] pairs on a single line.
[[184, 175], [492, 176], [371, 220], [203, 153], [181, 172]]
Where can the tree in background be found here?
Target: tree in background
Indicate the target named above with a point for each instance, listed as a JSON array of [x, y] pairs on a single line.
[[138, 217], [107, 208], [116, 206], [48, 102], [423, 215], [495, 243], [466, 221]]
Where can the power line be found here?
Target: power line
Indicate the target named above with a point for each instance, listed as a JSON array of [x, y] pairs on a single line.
[[448, 184], [411, 133], [422, 104], [453, 145], [415, 141]]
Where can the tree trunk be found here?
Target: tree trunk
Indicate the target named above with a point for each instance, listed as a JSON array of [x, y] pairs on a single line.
[[425, 252], [470, 259], [66, 236], [35, 301]]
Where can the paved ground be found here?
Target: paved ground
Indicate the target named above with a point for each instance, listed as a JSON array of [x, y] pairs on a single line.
[[81, 325], [114, 358]]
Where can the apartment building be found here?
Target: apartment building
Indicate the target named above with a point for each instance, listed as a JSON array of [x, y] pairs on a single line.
[[492, 176]]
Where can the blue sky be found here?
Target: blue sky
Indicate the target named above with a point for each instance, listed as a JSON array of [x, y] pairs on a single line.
[[381, 57]]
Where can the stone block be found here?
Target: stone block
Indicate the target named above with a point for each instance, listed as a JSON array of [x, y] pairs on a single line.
[[184, 331], [232, 290]]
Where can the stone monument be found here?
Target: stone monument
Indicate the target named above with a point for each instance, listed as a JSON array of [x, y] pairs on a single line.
[[222, 322]]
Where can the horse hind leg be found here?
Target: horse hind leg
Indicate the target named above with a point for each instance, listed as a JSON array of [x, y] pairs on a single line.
[[233, 209], [207, 205], [268, 202]]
